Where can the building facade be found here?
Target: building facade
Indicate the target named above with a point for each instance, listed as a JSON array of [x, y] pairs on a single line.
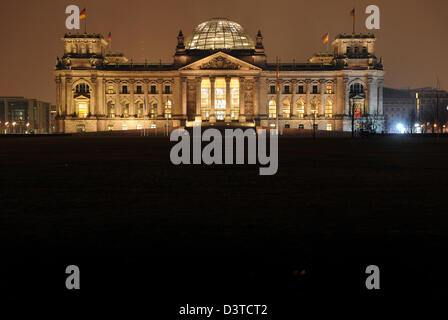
[[23, 115], [219, 76]]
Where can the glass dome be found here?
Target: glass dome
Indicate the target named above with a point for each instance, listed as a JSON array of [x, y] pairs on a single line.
[[219, 33]]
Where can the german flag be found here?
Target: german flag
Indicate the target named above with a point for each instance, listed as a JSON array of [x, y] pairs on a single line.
[[83, 14], [325, 38], [352, 13]]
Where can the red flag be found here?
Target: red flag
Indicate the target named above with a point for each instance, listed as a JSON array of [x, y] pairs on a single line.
[[352, 13], [278, 77], [325, 38]]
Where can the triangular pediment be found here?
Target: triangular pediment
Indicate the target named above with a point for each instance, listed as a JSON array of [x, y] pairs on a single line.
[[220, 61]]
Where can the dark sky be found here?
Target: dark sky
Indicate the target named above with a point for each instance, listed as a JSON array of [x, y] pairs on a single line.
[[413, 39]]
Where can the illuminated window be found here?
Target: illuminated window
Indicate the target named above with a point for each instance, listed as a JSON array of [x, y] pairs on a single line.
[[234, 98], [205, 98], [140, 110], [300, 109], [328, 109], [220, 98], [125, 110], [286, 108], [329, 89], [83, 109], [329, 127], [110, 127], [110, 110], [124, 127], [153, 110], [110, 90], [301, 126], [168, 106], [139, 127], [272, 109]]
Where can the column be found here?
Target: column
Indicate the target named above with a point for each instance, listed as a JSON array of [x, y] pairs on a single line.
[[256, 96], [117, 99], [131, 103], [70, 108], [373, 97], [100, 96], [63, 88], [93, 95], [263, 107], [160, 104], [228, 100], [293, 102], [380, 97], [347, 96], [184, 96], [145, 91], [308, 91], [322, 96], [58, 95], [198, 99], [340, 96], [212, 102], [242, 117]]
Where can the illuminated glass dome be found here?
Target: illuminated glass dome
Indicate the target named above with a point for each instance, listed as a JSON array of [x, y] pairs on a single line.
[[219, 33]]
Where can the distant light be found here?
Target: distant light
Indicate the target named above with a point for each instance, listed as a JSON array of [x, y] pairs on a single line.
[[416, 125], [400, 128]]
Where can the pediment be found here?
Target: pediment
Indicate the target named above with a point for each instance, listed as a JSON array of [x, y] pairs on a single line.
[[220, 61]]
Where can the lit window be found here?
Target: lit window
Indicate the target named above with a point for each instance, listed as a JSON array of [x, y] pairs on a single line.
[[110, 90], [272, 109], [329, 89], [168, 105], [329, 109], [124, 127], [329, 127]]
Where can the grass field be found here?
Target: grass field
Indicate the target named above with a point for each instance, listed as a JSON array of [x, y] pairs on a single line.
[[334, 203]]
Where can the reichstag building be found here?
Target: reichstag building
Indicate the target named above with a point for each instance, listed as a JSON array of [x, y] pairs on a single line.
[[219, 76]]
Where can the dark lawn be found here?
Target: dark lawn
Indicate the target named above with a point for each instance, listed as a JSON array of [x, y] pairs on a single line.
[[334, 201]]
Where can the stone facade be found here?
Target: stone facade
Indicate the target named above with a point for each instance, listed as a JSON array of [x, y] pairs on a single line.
[[219, 83]]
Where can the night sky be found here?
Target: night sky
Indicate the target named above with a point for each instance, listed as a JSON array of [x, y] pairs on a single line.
[[413, 38]]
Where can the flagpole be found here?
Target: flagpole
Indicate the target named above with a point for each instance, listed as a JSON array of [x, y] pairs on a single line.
[[85, 24], [354, 18]]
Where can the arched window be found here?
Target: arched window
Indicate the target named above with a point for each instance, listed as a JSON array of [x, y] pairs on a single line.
[[286, 108], [356, 88], [300, 109], [153, 109], [111, 109], [110, 89], [74, 48], [82, 89], [328, 109], [168, 105], [125, 109], [272, 109], [140, 110]]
